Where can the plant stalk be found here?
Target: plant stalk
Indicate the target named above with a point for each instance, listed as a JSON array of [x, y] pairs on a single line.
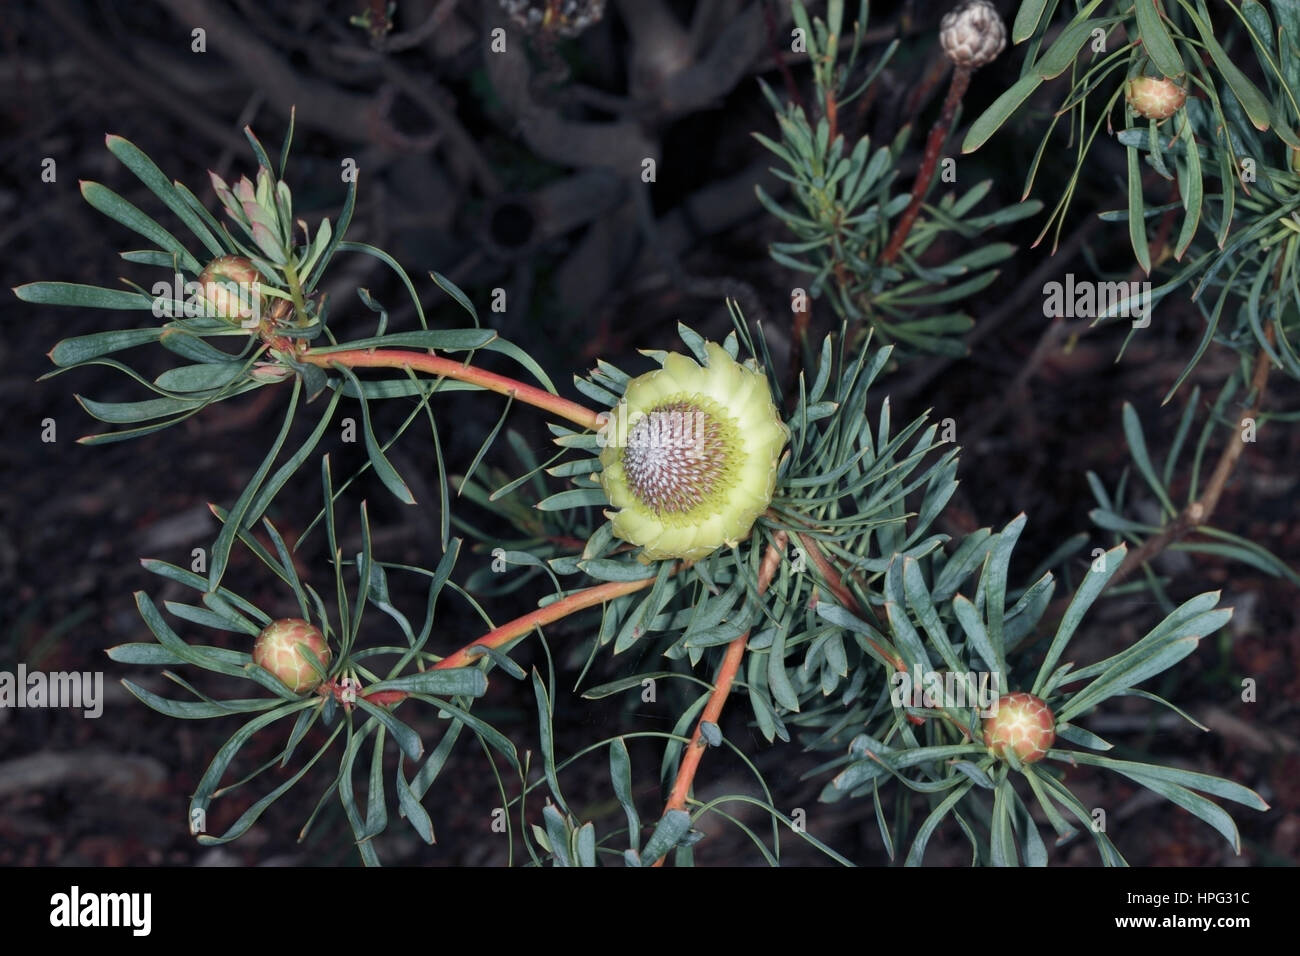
[[1200, 510], [721, 687], [578, 601], [929, 161], [437, 365]]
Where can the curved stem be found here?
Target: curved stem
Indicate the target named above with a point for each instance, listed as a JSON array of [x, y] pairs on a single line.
[[512, 630], [577, 601], [437, 365], [721, 688]]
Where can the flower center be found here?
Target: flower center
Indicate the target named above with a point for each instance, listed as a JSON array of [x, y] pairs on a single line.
[[678, 455]]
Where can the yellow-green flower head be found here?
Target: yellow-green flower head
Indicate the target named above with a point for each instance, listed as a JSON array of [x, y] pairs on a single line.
[[690, 456]]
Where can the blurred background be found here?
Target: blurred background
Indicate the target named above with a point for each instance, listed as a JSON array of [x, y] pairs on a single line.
[[522, 171]]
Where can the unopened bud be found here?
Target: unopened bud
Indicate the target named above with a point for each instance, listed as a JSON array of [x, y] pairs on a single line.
[[972, 34], [281, 649], [1154, 97], [1023, 725], [230, 289]]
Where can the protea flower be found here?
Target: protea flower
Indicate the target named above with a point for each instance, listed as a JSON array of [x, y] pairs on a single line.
[[1155, 97], [690, 455], [1023, 725], [230, 289], [972, 34], [278, 650]]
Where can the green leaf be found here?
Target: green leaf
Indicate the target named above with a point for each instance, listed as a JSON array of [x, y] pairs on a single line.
[[445, 340], [1002, 840], [998, 113], [916, 854], [121, 210], [212, 619], [777, 678], [393, 264], [1204, 782], [1065, 49], [1156, 40], [557, 835], [1247, 93], [336, 236], [201, 378], [1025, 25], [234, 522], [199, 709], [453, 290], [584, 845], [451, 682], [288, 141], [918, 599], [410, 807], [82, 348], [1138, 447], [547, 733], [250, 816], [423, 780], [1166, 782], [608, 569], [1137, 223], [1190, 185], [144, 168], [994, 580], [217, 767], [602, 691], [1240, 549], [383, 467], [405, 737], [139, 653], [486, 731], [969, 619], [1125, 674], [667, 834], [376, 809], [574, 498], [83, 297], [1092, 586], [282, 474], [1109, 855], [1084, 738], [620, 773]]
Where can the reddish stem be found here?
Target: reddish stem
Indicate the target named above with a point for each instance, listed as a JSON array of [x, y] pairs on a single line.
[[721, 688], [437, 365], [929, 161], [578, 601]]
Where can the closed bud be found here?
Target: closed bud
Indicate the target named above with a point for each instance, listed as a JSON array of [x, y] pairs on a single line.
[[972, 34], [230, 288], [1154, 97], [282, 647], [1022, 725]]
